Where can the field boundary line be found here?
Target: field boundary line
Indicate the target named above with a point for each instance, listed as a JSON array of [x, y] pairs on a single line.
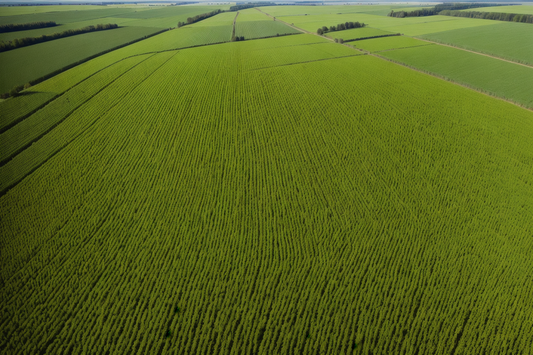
[[23, 117], [12, 185], [275, 19], [307, 61], [81, 61], [468, 50], [234, 21], [394, 49], [453, 82], [21, 149], [422, 71]]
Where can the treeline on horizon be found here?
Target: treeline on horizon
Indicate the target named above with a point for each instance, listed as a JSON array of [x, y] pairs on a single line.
[[500, 16], [199, 17], [250, 5], [438, 8], [340, 27], [27, 41], [26, 26]]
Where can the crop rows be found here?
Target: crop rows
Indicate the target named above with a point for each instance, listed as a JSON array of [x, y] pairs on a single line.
[[505, 40], [260, 29], [506, 80], [79, 120], [19, 66], [276, 221], [33, 127], [387, 43]]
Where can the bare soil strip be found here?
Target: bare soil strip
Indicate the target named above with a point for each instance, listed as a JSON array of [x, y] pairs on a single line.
[[234, 21]]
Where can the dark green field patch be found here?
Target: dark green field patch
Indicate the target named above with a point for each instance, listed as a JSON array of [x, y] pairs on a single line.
[[65, 16], [19, 65]]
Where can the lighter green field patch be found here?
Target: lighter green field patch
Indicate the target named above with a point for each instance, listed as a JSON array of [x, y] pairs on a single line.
[[517, 9], [494, 76], [387, 43], [356, 33], [507, 40]]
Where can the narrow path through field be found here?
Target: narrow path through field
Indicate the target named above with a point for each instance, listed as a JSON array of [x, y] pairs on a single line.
[[412, 68], [234, 21], [467, 50]]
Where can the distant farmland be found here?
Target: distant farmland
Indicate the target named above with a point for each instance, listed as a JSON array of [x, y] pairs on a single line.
[[190, 194]]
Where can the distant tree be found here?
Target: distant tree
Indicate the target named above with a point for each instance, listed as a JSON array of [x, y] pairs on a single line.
[[27, 86], [332, 28], [320, 32], [324, 29], [15, 91], [341, 40]]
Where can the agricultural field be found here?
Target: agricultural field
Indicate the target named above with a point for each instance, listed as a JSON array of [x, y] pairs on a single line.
[[283, 11], [254, 24], [283, 195], [27, 10], [515, 9], [507, 40], [357, 33], [135, 24], [388, 43], [506, 80], [19, 65]]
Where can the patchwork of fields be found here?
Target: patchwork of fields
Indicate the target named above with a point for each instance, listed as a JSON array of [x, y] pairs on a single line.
[[286, 195], [507, 40], [19, 66]]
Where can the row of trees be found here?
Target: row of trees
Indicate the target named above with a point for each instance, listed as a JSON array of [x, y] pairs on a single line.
[[422, 12], [340, 27], [500, 16], [27, 41], [237, 38], [199, 17], [26, 26], [249, 5], [437, 9]]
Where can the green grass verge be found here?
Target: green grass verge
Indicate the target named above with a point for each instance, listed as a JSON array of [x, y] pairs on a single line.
[[494, 76]]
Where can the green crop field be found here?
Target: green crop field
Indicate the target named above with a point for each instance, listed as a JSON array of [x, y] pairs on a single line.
[[388, 43], [506, 80], [356, 33], [19, 65], [253, 24], [508, 40], [283, 195], [515, 9], [139, 22], [26, 10]]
